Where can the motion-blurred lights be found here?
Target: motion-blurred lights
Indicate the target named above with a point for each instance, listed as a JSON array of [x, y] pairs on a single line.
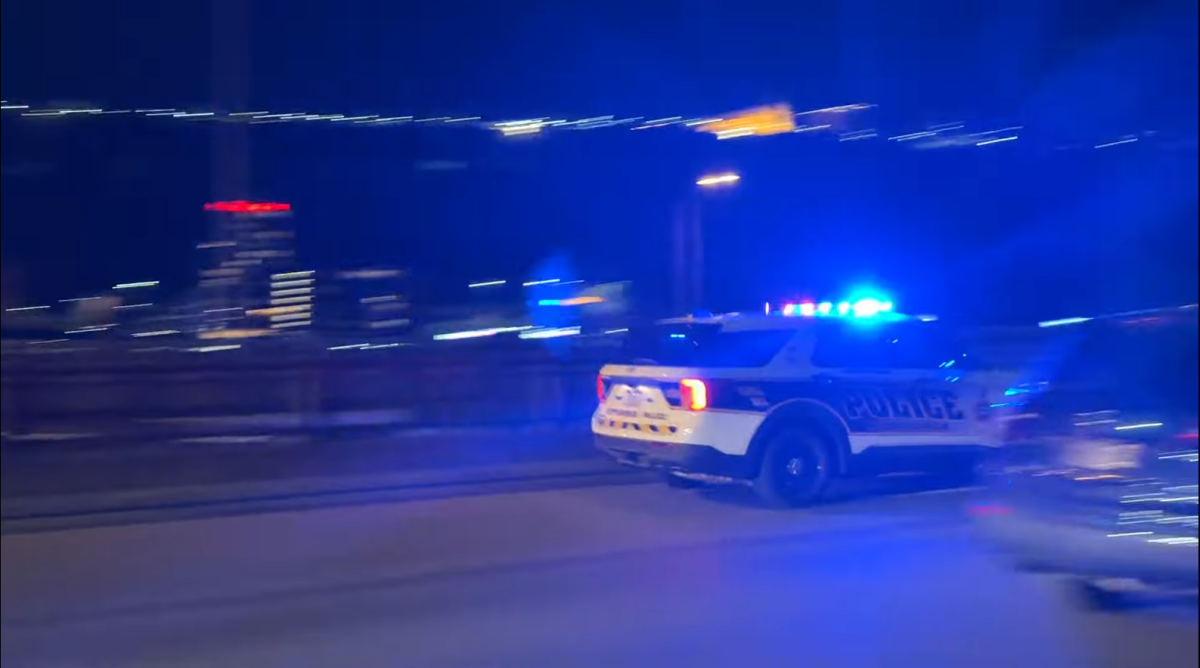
[[243, 206], [350, 346], [551, 333], [572, 301], [479, 333], [87, 330], [997, 140], [215, 349], [486, 284], [715, 180], [759, 121], [131, 286], [1062, 321], [472, 334], [525, 127], [1126, 140], [660, 122], [734, 134]]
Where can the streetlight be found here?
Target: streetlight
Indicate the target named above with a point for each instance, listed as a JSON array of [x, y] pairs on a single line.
[[717, 180], [689, 236]]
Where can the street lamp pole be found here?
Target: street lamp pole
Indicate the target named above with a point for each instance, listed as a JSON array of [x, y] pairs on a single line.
[[697, 219], [688, 246], [679, 237]]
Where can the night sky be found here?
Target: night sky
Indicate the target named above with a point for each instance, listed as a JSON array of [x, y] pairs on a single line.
[[1047, 223]]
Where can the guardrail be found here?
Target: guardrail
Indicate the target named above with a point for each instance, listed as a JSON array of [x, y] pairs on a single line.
[[275, 388]]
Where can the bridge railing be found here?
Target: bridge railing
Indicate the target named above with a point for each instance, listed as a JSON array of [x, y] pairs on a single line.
[[261, 387], [142, 388]]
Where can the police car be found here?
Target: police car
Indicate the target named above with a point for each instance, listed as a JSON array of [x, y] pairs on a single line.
[[788, 401]]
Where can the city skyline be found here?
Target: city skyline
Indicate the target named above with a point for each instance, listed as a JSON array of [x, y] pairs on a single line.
[[1083, 169]]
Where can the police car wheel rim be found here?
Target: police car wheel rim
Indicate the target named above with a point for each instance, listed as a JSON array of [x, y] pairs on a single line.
[[802, 477], [795, 467], [801, 473]]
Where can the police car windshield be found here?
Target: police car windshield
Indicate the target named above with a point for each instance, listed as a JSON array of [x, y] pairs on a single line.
[[703, 345]]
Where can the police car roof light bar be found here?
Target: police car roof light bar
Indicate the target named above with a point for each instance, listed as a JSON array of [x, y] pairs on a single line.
[[867, 307]]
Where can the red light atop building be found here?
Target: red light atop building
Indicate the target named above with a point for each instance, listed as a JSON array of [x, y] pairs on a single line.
[[242, 206]]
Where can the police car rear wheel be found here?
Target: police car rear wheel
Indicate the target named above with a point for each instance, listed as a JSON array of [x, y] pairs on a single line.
[[795, 470]]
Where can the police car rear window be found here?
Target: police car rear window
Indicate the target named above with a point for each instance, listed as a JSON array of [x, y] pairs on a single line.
[[703, 346]]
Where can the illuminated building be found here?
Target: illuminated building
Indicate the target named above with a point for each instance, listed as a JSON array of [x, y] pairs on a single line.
[[291, 300], [248, 272], [366, 302]]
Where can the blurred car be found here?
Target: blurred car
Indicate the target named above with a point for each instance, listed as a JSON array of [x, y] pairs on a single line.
[[787, 404], [1097, 477]]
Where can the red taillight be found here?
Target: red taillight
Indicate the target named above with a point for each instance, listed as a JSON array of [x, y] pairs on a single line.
[[600, 391], [694, 394]]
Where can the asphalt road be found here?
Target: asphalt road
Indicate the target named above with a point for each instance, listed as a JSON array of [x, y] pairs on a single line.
[[635, 575]]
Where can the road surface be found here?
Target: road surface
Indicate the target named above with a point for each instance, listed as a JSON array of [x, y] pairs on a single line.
[[634, 575]]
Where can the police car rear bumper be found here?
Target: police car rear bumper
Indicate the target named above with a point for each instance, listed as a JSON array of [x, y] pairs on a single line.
[[675, 457]]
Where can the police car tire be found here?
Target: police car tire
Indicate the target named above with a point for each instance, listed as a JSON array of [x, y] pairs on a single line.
[[778, 484]]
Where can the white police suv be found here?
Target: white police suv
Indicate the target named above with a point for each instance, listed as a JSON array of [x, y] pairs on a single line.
[[786, 404]]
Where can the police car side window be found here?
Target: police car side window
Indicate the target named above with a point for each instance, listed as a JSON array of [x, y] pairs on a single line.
[[851, 349], [704, 346], [897, 347], [926, 347]]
